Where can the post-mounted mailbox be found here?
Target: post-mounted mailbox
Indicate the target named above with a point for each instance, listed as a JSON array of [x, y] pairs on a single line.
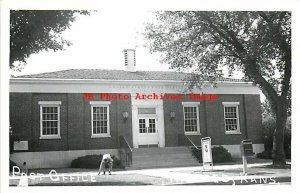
[[246, 151], [247, 148]]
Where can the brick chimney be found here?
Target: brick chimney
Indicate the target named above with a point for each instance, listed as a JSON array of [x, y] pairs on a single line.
[[129, 56]]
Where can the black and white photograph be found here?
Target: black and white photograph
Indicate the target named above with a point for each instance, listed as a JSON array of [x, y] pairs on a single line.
[[105, 97]]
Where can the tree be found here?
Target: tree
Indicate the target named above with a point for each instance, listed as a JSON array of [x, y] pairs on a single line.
[[258, 44], [32, 31], [266, 109]]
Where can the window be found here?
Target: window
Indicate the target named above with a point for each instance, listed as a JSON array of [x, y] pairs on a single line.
[[231, 117], [100, 118], [50, 119], [191, 117], [142, 126], [147, 125]]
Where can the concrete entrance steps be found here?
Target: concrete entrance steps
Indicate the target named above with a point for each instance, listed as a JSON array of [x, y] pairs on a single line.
[[143, 158]]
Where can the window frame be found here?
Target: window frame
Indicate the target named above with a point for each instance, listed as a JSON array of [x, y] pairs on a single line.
[[236, 105], [100, 104], [50, 104], [191, 104]]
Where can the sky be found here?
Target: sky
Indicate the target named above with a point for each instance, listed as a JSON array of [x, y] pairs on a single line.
[[98, 41]]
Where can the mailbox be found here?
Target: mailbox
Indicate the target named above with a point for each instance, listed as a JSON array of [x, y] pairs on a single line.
[[247, 148]]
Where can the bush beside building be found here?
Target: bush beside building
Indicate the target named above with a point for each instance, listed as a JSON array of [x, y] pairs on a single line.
[[269, 126], [93, 162], [219, 154]]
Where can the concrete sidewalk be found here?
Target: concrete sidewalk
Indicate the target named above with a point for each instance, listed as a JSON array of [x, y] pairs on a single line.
[[221, 173], [258, 173]]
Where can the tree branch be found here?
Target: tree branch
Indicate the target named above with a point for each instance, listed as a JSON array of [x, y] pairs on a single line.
[[285, 48], [264, 16], [253, 72], [250, 64]]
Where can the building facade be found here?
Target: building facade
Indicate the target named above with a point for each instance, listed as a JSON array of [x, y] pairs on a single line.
[[59, 116]]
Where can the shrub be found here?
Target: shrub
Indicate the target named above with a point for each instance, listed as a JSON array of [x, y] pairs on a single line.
[[265, 155], [219, 154], [117, 163], [197, 153], [269, 126], [93, 161]]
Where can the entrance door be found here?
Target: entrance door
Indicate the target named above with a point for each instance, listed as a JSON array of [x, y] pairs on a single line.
[[147, 133]]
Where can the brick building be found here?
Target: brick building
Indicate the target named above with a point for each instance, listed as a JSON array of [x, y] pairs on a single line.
[[59, 116]]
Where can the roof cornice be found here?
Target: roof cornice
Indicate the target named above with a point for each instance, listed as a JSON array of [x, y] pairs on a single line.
[[97, 81]]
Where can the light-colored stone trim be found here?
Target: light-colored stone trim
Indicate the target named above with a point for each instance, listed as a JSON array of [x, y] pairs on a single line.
[[55, 159], [109, 86], [235, 150]]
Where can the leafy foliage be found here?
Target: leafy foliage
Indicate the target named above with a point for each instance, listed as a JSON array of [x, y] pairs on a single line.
[[206, 42], [269, 125], [258, 44], [219, 154], [32, 31], [267, 154], [266, 109]]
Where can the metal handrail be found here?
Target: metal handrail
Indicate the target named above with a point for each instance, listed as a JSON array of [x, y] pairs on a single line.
[[192, 142], [127, 144], [128, 154]]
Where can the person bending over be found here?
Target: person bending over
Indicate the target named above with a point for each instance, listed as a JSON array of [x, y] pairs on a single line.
[[106, 159]]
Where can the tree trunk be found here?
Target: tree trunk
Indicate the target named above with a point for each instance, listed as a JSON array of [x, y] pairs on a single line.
[[278, 154]]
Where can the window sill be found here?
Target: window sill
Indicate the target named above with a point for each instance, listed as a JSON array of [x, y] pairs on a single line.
[[100, 136], [50, 137], [233, 133], [192, 133]]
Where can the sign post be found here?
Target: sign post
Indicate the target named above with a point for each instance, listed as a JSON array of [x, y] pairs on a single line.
[[246, 151], [206, 152]]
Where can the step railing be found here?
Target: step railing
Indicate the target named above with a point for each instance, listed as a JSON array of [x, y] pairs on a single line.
[[127, 150], [192, 142]]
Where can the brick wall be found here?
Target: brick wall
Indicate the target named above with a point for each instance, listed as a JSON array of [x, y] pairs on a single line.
[[76, 128], [75, 122], [216, 124], [171, 125], [212, 121], [20, 116], [124, 125], [254, 118], [174, 128]]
